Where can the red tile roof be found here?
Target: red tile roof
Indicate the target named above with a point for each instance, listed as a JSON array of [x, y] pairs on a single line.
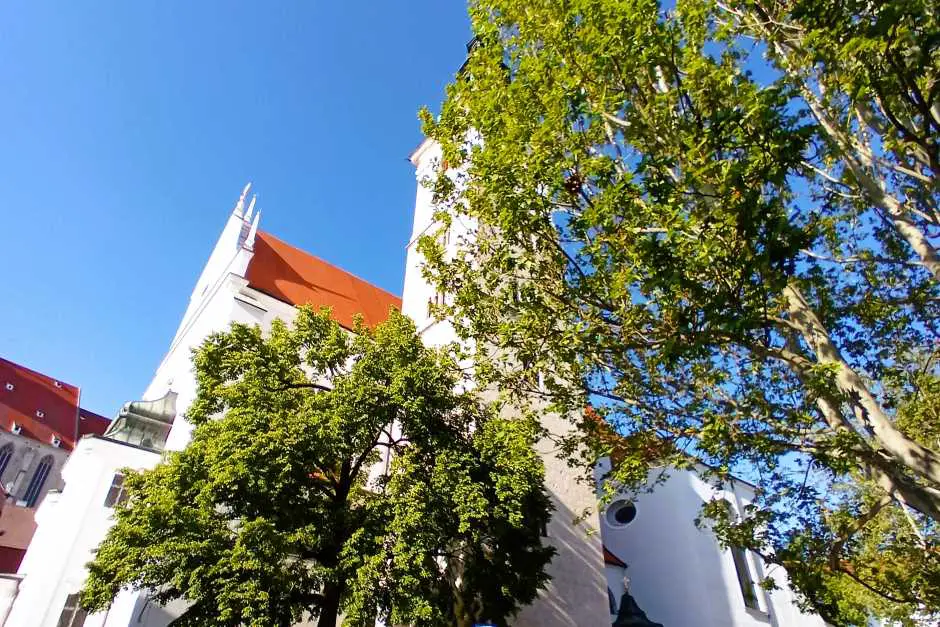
[[613, 560], [298, 278], [91, 423], [43, 407]]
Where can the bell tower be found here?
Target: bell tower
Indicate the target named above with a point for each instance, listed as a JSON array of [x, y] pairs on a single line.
[[577, 594]]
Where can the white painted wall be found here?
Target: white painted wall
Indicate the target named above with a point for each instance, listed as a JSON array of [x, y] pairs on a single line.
[[212, 307], [70, 524], [679, 575], [9, 586]]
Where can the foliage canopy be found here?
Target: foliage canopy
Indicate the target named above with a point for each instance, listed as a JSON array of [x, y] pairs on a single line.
[[331, 473], [718, 224]]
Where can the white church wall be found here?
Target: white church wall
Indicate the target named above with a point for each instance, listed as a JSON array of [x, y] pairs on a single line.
[[678, 573], [176, 371], [70, 524], [577, 594]]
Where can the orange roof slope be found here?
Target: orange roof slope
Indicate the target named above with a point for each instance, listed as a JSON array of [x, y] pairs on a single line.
[[298, 278], [613, 560]]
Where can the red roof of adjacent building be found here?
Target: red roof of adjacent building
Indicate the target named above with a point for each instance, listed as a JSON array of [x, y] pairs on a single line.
[[298, 278], [44, 408], [90, 423]]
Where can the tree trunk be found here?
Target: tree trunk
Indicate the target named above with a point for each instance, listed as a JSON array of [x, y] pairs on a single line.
[[919, 459], [329, 609]]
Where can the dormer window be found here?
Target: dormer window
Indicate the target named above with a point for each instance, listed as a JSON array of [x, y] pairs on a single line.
[[16, 429], [10, 387], [58, 384], [40, 413], [56, 442]]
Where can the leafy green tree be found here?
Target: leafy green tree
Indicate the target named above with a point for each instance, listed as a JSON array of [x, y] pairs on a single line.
[[284, 506], [718, 225]]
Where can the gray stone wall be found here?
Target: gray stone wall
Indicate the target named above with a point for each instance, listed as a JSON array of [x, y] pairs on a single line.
[[27, 454]]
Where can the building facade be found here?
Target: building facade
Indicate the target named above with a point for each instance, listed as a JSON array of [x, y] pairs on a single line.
[[633, 561], [577, 594], [41, 419], [679, 574]]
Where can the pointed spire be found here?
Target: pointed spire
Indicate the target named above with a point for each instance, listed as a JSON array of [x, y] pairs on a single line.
[[240, 205], [250, 238], [251, 207]]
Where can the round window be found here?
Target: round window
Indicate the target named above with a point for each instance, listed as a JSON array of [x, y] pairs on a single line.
[[620, 513]]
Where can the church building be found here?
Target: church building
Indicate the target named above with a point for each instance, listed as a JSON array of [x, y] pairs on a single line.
[[631, 564]]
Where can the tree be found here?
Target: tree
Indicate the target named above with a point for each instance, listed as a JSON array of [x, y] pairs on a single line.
[[270, 513], [718, 225]]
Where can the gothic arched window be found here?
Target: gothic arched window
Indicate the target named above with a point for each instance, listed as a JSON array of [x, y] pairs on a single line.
[[34, 489], [6, 453]]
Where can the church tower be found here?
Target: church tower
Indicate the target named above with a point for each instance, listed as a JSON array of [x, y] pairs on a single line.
[[577, 594]]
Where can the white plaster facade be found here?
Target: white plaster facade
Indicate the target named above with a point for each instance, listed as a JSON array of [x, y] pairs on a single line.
[[71, 523], [678, 573]]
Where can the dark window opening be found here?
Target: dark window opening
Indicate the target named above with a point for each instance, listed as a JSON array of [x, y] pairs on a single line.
[[744, 578], [625, 514], [72, 614], [34, 489], [6, 453], [739, 555], [117, 494]]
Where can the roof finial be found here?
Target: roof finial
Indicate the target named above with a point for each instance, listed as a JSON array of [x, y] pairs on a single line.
[[240, 205], [251, 207]]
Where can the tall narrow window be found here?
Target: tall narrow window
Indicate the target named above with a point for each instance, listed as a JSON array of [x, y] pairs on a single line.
[[117, 494], [72, 614], [34, 489], [444, 236], [6, 453], [739, 555], [744, 578], [437, 300]]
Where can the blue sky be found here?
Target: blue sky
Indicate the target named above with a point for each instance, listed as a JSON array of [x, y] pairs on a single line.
[[127, 130]]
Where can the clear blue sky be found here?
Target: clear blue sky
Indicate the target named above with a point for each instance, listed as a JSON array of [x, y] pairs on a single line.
[[127, 130]]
